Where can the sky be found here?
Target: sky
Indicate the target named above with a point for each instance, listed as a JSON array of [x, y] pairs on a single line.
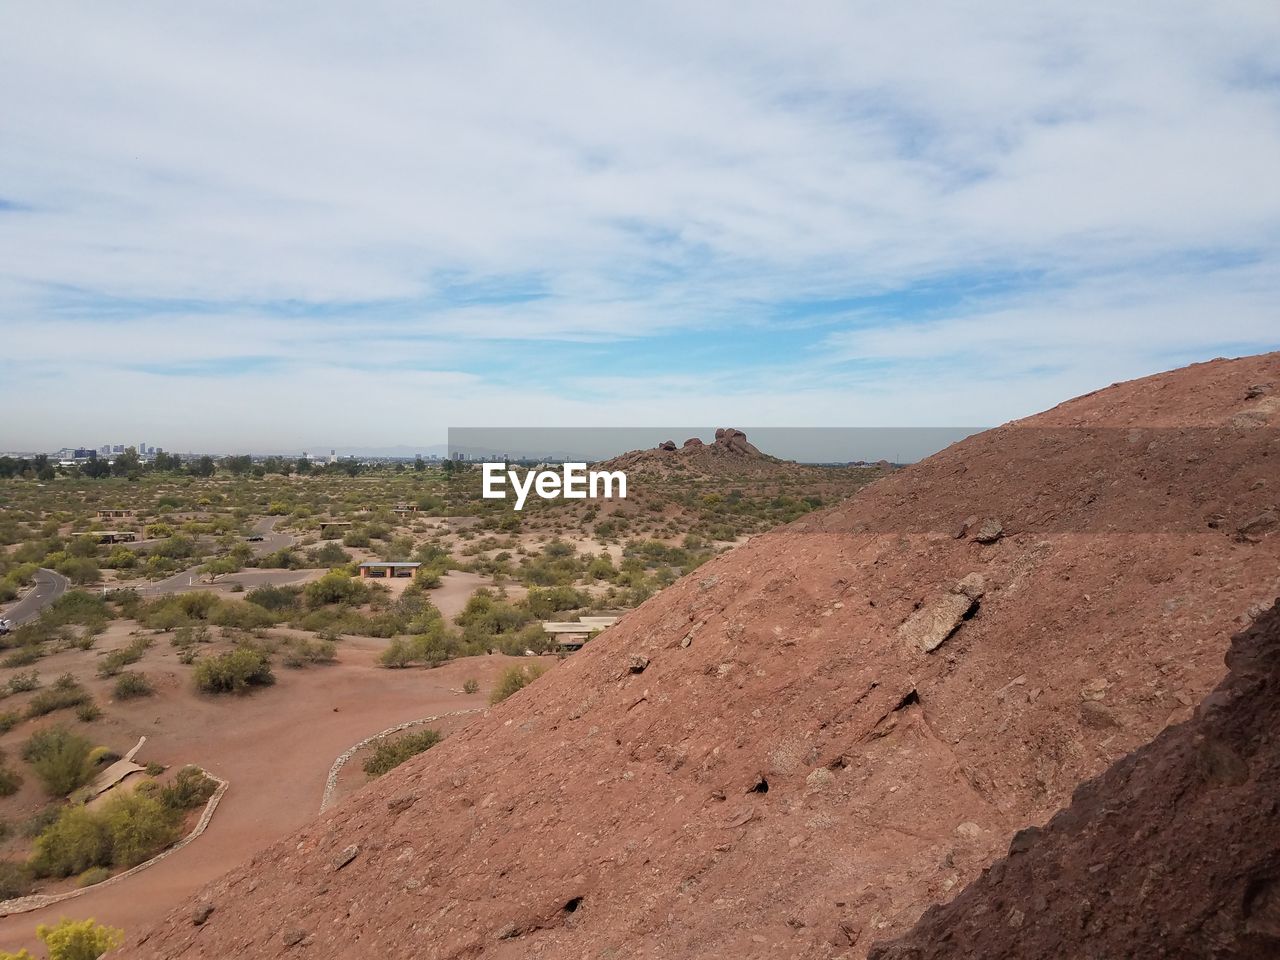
[[246, 227]]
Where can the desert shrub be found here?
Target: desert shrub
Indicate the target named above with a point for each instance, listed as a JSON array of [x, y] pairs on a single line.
[[237, 613], [470, 685], [60, 758], [79, 570], [154, 769], [189, 788], [356, 538], [10, 779], [117, 660], [544, 602], [138, 827], [329, 554], [275, 599], [283, 559], [24, 656], [15, 879], [179, 610], [78, 939], [302, 652], [485, 616], [77, 840], [129, 828], [530, 638], [336, 587], [39, 821], [514, 679], [88, 712], [432, 648], [22, 682], [234, 671], [92, 876], [174, 548], [65, 692], [390, 752], [9, 719], [131, 685]]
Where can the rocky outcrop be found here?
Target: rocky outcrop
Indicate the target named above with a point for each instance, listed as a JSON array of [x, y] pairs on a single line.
[[729, 455], [1173, 853]]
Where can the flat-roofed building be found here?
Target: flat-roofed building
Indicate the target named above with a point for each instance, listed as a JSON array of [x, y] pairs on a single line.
[[114, 536], [389, 568]]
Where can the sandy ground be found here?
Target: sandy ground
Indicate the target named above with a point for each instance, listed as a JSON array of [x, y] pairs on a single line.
[[275, 745], [457, 586]]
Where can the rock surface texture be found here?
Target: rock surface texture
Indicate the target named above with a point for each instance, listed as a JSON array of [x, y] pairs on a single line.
[[789, 775], [1173, 853]]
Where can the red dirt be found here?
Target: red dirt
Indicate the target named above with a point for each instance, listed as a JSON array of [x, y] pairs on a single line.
[[1174, 852], [756, 763], [275, 745]]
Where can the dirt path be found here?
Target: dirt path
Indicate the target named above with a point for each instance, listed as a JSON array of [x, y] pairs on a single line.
[[275, 746]]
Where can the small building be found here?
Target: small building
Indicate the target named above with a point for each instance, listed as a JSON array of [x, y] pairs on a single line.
[[114, 536], [389, 568], [114, 514], [573, 634], [406, 508], [333, 528]]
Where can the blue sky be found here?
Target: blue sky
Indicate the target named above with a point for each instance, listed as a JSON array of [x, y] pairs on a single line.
[[307, 225]]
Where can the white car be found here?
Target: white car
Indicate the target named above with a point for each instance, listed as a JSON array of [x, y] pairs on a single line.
[[5, 626]]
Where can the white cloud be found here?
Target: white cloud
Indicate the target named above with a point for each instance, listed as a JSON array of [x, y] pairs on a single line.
[[648, 168]]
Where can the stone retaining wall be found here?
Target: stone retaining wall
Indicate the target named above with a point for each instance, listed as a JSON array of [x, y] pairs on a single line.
[[332, 783]]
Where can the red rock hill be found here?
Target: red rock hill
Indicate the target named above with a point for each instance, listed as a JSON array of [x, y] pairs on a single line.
[[803, 745]]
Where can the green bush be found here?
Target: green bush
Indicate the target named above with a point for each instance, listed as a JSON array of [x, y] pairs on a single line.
[[336, 587], [138, 826], [88, 712], [130, 686], [275, 599], [10, 780], [302, 652], [393, 751], [78, 939], [117, 660], [15, 879], [60, 758], [77, 840], [22, 682], [66, 692], [126, 830], [92, 876], [189, 788], [234, 671], [514, 679], [470, 685]]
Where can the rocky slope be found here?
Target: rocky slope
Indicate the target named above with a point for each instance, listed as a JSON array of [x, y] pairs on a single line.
[[1173, 853], [800, 747]]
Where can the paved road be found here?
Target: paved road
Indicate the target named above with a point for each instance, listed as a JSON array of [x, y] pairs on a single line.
[[49, 586], [271, 541], [190, 579]]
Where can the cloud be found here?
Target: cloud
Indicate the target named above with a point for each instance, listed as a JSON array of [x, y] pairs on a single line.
[[388, 198]]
